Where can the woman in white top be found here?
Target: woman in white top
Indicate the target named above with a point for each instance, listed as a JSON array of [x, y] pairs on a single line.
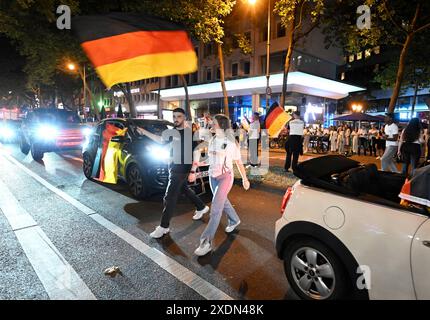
[[341, 140], [223, 151], [306, 140], [354, 135], [333, 140]]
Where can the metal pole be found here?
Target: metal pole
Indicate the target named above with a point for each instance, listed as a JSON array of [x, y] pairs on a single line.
[[84, 79], [268, 91], [160, 114]]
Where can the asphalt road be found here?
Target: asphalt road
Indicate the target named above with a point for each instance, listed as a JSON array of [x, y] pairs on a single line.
[[52, 217]]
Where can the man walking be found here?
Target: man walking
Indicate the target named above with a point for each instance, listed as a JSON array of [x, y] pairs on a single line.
[[254, 139], [178, 173], [391, 135], [294, 142]]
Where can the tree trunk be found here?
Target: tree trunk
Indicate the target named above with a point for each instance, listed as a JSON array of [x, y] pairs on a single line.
[[187, 98], [129, 97], [222, 76], [400, 73], [290, 43]]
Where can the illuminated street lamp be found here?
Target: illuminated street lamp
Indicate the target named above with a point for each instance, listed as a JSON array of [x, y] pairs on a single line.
[[72, 67], [357, 107]]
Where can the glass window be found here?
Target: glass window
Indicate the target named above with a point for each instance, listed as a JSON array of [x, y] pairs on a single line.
[[377, 50], [280, 30], [367, 53], [208, 74], [359, 56], [218, 73], [234, 69], [351, 58], [246, 67], [342, 76], [194, 77]]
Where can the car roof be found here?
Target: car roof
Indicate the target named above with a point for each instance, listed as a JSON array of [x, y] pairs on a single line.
[[131, 120]]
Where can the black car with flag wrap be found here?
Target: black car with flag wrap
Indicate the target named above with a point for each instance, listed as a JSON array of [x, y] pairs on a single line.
[[116, 151]]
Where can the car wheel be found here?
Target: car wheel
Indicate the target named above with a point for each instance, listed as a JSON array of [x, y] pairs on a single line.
[[24, 146], [135, 182], [87, 166], [314, 271], [36, 153]]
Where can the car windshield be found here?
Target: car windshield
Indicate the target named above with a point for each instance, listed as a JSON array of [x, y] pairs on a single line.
[[57, 117], [155, 127]]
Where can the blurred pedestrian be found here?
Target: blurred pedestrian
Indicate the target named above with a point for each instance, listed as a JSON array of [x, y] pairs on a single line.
[[391, 135], [294, 145], [410, 145], [254, 139]]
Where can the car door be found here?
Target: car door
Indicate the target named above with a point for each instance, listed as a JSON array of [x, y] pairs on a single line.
[[125, 147], [420, 258]]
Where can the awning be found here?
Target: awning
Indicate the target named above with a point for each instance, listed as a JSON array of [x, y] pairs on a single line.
[[297, 82], [358, 116]]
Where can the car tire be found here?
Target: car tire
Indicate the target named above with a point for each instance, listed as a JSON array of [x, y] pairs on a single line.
[[36, 153], [87, 166], [305, 260], [24, 146], [135, 182]]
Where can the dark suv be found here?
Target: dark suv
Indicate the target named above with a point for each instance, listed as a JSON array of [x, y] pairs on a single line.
[[48, 130], [142, 163]]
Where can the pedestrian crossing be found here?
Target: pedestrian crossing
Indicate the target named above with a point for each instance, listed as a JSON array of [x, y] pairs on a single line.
[[58, 277]]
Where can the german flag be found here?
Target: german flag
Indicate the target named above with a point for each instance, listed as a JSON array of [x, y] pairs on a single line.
[[125, 47], [275, 120]]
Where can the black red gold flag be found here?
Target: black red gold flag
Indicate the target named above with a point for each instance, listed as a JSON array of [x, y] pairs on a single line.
[[125, 47]]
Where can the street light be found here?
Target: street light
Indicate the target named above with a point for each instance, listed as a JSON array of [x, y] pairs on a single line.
[[357, 107], [268, 89], [72, 67]]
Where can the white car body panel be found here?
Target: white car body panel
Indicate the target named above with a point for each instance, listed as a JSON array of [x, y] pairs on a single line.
[[377, 236], [420, 257]]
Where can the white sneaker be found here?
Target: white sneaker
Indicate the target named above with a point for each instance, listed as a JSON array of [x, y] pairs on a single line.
[[199, 213], [159, 232], [204, 248], [231, 228]]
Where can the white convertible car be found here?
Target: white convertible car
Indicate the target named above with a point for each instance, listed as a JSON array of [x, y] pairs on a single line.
[[344, 235]]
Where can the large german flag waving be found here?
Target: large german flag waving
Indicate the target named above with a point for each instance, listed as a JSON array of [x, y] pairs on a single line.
[[125, 47]]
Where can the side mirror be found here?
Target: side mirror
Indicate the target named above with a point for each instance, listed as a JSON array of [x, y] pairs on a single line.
[[120, 139]]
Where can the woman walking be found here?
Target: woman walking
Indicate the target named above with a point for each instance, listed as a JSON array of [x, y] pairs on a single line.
[[354, 136], [410, 145], [341, 140], [333, 139], [222, 152]]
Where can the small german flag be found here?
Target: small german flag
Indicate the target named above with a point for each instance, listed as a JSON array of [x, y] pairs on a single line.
[[125, 47], [276, 119]]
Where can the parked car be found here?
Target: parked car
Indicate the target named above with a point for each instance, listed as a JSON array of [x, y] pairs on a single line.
[[344, 234], [49, 130], [10, 131], [142, 163]]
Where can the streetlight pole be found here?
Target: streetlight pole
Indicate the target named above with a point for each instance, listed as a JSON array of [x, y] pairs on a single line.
[[84, 78], [268, 90]]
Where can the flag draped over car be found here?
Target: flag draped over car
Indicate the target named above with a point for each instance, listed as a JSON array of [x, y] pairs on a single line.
[[417, 189], [276, 119], [125, 47]]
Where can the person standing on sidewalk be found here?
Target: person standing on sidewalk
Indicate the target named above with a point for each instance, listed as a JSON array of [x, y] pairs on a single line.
[[373, 133], [391, 135], [178, 174], [294, 144], [254, 139], [410, 145], [223, 151]]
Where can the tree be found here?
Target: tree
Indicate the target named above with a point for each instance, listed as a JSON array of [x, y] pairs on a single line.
[[416, 72], [205, 20], [299, 17], [396, 23]]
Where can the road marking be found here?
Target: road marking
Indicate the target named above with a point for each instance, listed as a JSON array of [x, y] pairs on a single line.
[[57, 276], [184, 275]]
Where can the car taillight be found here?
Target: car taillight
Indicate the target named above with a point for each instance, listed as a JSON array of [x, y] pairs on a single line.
[[286, 198]]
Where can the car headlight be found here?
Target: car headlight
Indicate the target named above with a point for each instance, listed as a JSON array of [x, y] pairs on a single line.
[[158, 152], [46, 132], [6, 132], [87, 132]]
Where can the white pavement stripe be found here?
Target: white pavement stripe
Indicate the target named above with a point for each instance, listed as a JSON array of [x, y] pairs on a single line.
[[46, 184], [186, 276], [57, 276]]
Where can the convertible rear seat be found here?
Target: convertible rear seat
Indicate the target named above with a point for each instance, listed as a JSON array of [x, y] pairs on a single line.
[[366, 179]]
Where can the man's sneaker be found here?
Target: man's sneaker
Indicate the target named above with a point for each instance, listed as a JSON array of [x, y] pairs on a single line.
[[204, 248], [231, 228], [159, 232], [199, 213]]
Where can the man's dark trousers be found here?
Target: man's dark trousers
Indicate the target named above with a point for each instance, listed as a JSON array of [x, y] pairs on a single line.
[[178, 183], [293, 148]]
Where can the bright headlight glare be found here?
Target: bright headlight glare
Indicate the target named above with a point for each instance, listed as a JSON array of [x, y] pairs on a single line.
[[158, 152], [6, 132], [47, 132], [87, 132]]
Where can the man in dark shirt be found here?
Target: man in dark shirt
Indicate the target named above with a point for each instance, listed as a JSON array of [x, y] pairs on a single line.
[[179, 170]]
